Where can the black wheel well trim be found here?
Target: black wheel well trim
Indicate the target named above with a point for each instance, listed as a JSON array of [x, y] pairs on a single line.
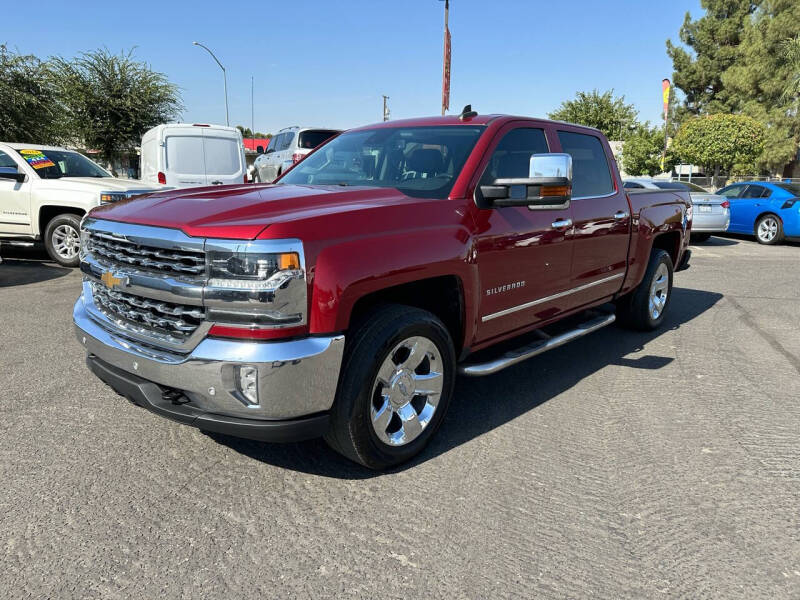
[[441, 295], [48, 212]]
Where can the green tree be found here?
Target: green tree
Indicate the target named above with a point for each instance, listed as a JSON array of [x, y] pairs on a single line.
[[713, 43], [642, 152], [737, 62], [791, 52], [729, 142], [28, 108], [110, 100], [611, 115], [248, 133]]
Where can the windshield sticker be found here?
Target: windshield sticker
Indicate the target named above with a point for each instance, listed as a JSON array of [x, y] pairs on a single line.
[[37, 159]]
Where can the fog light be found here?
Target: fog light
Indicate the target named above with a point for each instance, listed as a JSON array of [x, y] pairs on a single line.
[[247, 382]]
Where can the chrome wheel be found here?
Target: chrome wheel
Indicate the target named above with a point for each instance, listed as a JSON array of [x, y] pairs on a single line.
[[406, 391], [659, 291], [66, 241], [767, 229]]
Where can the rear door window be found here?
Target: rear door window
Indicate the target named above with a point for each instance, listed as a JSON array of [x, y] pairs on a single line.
[[591, 175], [312, 138], [755, 191], [732, 191], [185, 154], [222, 156]]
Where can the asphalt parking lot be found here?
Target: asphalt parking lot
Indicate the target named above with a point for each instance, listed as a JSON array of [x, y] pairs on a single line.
[[624, 465]]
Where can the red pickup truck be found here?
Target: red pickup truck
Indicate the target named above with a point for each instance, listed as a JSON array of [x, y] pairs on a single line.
[[343, 300]]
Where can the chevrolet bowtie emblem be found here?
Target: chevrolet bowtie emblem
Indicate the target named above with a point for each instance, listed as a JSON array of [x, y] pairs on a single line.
[[111, 281]]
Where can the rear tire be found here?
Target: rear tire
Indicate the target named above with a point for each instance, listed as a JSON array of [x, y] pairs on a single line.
[[398, 376], [62, 239], [769, 230], [644, 308]]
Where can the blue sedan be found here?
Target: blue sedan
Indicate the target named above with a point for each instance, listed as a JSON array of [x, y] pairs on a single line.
[[770, 211]]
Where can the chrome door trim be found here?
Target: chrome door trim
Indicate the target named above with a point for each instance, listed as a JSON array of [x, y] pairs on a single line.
[[580, 288]]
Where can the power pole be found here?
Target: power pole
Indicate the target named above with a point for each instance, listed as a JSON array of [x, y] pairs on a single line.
[[252, 109], [385, 108], [446, 60]]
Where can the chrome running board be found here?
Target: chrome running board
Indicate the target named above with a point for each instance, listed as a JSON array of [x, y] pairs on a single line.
[[517, 355]]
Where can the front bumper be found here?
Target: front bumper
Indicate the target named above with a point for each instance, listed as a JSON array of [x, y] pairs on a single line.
[[296, 378]]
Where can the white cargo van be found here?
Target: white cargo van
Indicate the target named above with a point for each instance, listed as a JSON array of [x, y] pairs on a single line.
[[188, 155]]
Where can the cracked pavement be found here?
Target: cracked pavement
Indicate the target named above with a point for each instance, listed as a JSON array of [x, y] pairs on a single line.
[[623, 465]]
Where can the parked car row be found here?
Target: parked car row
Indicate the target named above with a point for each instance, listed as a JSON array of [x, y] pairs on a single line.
[[770, 211], [288, 147]]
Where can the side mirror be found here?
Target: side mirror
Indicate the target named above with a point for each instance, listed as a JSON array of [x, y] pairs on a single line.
[[260, 149], [270, 150], [548, 185], [12, 173]]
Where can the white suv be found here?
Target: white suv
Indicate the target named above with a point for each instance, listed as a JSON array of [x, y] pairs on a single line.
[[46, 190], [287, 148]]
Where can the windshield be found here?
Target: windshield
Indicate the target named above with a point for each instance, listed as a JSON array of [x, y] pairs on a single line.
[[419, 161], [55, 164], [792, 188]]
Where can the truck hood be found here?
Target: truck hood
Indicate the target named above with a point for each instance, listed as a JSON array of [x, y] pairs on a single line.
[[99, 184], [244, 211]]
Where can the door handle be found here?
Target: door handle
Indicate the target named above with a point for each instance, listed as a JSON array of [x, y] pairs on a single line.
[[216, 183], [620, 214], [562, 223]]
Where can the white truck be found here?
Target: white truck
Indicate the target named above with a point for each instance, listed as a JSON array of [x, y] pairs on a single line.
[[46, 190]]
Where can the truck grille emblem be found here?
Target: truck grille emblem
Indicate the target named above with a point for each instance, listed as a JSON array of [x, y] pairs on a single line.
[[111, 281]]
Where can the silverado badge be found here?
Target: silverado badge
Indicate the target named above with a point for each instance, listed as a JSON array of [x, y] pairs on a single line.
[[111, 281]]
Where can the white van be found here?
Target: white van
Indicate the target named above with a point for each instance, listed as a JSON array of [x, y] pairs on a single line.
[[189, 155]]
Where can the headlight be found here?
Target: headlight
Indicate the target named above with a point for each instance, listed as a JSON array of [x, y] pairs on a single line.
[[260, 283], [253, 271], [107, 197]]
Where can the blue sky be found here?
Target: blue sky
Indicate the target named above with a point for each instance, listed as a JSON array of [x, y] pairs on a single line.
[[327, 63]]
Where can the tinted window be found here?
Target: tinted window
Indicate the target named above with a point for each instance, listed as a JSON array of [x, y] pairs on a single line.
[[755, 191], [792, 188], [632, 185], [732, 191], [696, 188], [419, 161], [512, 157], [591, 175], [222, 156], [314, 137], [185, 154], [273, 142], [7, 161]]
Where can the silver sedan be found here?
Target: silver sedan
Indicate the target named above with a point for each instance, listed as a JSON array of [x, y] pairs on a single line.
[[712, 212]]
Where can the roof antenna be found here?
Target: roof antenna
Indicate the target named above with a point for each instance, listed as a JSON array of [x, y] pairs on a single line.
[[468, 113]]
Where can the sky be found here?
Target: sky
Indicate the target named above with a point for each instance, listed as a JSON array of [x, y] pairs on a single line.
[[324, 63]]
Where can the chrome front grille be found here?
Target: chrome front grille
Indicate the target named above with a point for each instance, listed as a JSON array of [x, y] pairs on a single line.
[[120, 252], [178, 321]]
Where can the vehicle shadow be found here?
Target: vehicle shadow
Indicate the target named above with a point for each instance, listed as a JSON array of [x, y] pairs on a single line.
[[495, 400], [22, 266], [715, 240], [736, 238]]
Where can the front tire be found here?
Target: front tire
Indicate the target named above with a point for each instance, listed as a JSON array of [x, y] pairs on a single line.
[[62, 239], [398, 376], [644, 308], [769, 230]]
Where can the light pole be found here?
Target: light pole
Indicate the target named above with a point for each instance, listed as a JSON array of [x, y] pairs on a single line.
[[224, 78]]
